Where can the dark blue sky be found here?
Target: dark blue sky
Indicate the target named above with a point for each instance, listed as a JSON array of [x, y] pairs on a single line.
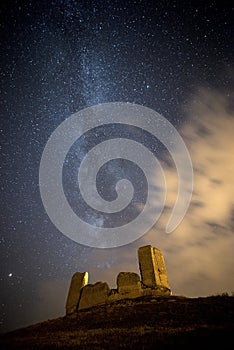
[[59, 57]]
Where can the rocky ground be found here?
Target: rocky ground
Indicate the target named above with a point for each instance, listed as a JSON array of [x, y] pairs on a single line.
[[145, 323]]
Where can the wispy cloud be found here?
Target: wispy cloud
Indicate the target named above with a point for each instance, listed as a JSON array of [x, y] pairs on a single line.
[[199, 252]]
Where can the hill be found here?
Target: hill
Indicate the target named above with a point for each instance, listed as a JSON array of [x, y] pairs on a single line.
[[143, 323]]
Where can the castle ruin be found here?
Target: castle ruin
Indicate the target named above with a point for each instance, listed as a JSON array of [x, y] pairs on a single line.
[[153, 282]]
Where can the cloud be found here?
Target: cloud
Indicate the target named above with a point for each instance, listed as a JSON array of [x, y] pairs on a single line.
[[199, 253]]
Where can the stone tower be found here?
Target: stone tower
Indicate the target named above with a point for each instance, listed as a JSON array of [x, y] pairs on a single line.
[[78, 281], [152, 267]]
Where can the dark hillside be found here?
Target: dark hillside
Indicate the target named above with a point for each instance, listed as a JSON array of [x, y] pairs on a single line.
[[144, 323]]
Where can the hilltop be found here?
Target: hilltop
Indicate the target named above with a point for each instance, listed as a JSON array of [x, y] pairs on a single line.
[[164, 322]]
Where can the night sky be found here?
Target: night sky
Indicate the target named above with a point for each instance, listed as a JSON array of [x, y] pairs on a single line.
[[58, 57]]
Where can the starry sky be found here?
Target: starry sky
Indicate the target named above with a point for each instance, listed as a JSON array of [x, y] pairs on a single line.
[[58, 57]]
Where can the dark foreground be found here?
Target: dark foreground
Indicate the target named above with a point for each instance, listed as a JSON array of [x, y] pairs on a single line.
[[144, 323]]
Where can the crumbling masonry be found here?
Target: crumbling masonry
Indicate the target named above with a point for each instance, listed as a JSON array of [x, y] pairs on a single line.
[[153, 282]]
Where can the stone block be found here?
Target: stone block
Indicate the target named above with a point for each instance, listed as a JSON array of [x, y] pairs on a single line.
[[148, 268], [152, 267], [79, 280], [128, 282], [161, 268], [94, 294]]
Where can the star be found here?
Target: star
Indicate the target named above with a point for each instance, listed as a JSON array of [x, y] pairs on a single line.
[[60, 57]]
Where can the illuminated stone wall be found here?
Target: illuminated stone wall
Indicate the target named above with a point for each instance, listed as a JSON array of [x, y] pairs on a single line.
[[78, 281], [153, 282]]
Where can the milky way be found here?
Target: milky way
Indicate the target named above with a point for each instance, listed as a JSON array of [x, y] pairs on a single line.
[[59, 57]]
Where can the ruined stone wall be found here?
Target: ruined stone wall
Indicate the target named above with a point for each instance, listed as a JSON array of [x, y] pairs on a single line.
[[148, 267], [161, 268], [128, 283], [152, 267], [78, 281], [153, 282], [94, 294]]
